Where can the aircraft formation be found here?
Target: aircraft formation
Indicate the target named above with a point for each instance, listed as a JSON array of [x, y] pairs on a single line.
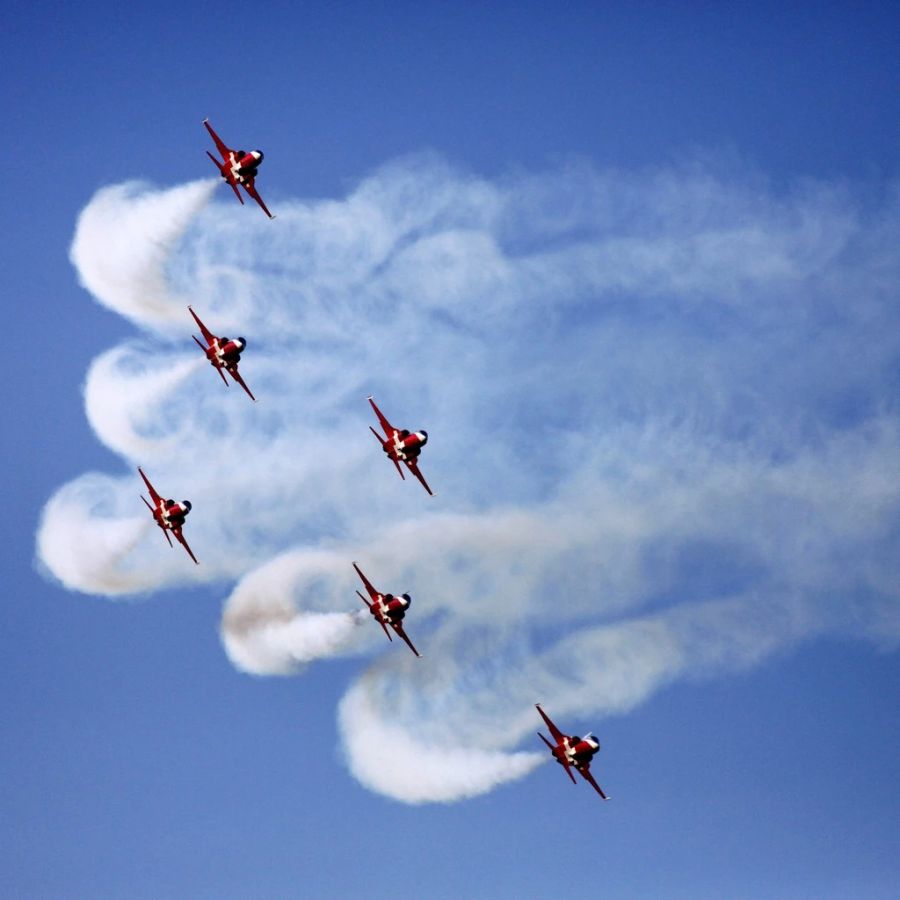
[[240, 168]]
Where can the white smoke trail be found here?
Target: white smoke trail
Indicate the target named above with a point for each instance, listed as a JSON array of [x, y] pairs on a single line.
[[392, 761], [397, 743], [122, 245], [663, 439], [124, 391], [266, 632], [480, 574], [82, 543], [259, 642]]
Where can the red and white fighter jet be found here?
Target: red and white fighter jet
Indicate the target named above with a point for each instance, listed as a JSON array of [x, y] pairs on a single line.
[[238, 168], [387, 609], [401, 446], [168, 514], [572, 752], [223, 353]]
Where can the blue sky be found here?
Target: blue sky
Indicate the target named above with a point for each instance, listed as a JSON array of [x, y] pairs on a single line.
[[638, 266]]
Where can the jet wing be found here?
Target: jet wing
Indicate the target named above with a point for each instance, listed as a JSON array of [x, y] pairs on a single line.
[[208, 336], [378, 617], [398, 627], [384, 628], [392, 456], [216, 364], [558, 736], [154, 496], [180, 538], [414, 468], [220, 146], [372, 592], [234, 374], [586, 775], [563, 760], [251, 190], [165, 531], [227, 174], [389, 429], [234, 187]]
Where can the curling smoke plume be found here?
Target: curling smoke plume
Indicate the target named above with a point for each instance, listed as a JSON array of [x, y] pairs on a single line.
[[664, 430], [123, 241]]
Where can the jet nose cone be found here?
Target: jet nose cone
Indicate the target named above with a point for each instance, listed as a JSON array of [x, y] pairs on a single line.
[[187, 505], [424, 435]]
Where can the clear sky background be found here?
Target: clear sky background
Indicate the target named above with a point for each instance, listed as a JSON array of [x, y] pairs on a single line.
[[711, 420]]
